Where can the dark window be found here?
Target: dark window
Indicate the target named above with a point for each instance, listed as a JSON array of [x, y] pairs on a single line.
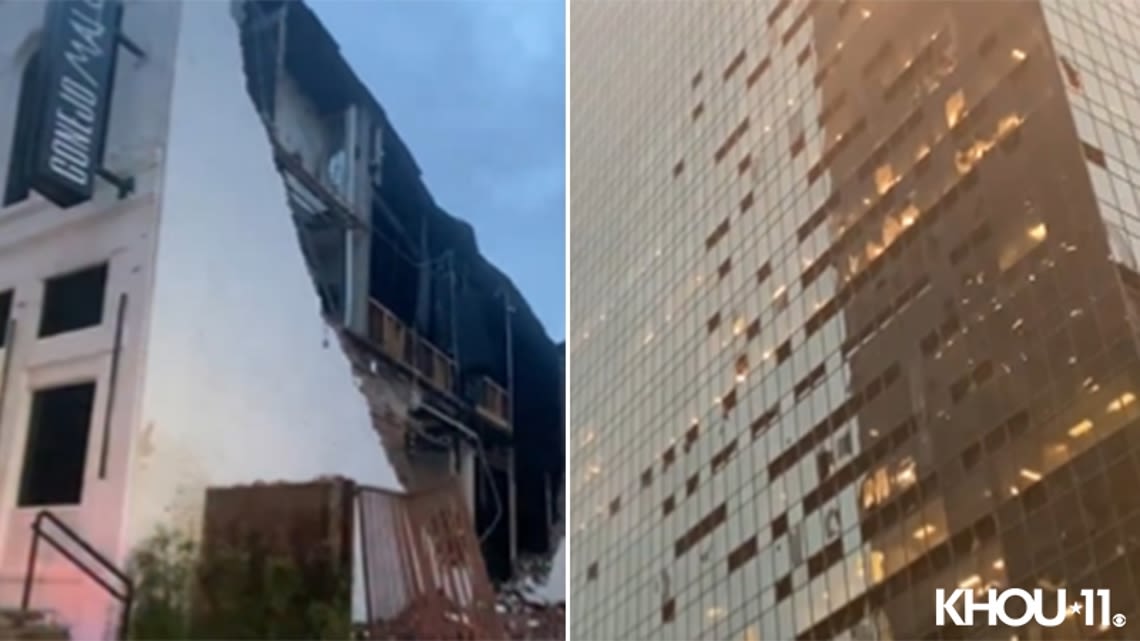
[[729, 402], [783, 352], [713, 322], [73, 301], [753, 329], [784, 588], [5, 314], [734, 65], [691, 436], [27, 118], [746, 202], [56, 454], [668, 611], [1094, 154], [592, 572], [724, 268], [780, 526], [763, 273], [743, 553]]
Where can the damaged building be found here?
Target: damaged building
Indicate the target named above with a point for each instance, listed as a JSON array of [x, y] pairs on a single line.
[[220, 266], [462, 377]]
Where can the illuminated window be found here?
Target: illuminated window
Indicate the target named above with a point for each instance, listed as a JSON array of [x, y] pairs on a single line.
[[955, 108], [885, 178]]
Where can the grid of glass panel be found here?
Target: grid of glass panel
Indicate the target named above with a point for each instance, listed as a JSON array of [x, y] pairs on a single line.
[[843, 327]]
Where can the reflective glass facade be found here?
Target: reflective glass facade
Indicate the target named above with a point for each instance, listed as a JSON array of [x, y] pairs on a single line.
[[853, 314]]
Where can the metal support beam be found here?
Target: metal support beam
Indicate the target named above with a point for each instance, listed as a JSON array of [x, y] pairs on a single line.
[[125, 184], [131, 46]]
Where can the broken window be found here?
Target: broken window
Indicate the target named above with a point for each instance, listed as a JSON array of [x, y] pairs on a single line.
[[1094, 154], [56, 454], [733, 65], [796, 546], [843, 446], [832, 524], [783, 352], [763, 273], [724, 268], [729, 402], [713, 322], [824, 460], [73, 301], [24, 138], [1072, 75]]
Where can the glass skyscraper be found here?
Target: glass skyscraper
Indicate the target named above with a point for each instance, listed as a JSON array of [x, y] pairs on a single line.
[[854, 314]]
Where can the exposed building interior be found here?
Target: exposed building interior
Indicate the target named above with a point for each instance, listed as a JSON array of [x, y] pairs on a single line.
[[462, 377]]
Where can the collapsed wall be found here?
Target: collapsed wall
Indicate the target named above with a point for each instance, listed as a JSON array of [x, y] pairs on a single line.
[[418, 262], [243, 383]]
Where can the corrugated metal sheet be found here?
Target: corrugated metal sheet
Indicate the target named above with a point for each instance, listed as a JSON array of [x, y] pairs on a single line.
[[423, 572]]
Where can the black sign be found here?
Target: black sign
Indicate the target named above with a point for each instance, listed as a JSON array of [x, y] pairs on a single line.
[[77, 59]]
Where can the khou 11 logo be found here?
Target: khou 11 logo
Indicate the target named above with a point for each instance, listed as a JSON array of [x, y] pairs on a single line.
[[1090, 602]]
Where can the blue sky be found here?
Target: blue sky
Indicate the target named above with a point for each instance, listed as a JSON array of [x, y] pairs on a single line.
[[477, 90]]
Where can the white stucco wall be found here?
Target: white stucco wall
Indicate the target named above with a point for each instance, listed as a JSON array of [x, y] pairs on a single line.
[[227, 374], [37, 241], [243, 380]]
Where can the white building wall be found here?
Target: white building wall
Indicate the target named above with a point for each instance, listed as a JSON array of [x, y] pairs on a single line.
[[244, 382], [37, 241], [228, 374]]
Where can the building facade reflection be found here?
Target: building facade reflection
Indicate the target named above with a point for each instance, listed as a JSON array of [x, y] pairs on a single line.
[[854, 302]]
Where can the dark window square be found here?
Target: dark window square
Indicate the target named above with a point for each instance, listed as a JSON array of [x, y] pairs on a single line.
[[56, 454], [73, 301]]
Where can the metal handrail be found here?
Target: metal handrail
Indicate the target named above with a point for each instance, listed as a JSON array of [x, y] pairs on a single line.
[[124, 596]]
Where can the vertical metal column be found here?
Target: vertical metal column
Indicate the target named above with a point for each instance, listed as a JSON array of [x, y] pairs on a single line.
[[512, 494]]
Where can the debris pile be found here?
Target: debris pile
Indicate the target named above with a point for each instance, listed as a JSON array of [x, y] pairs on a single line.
[[526, 620]]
